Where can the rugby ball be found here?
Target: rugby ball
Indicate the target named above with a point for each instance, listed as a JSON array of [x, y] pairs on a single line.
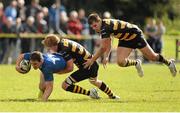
[[25, 66]]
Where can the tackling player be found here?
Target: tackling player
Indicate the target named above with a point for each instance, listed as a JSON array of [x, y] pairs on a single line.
[[79, 55], [130, 37]]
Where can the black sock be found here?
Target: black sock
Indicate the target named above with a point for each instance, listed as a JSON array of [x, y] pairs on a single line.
[[130, 62], [106, 89], [77, 89], [163, 60]]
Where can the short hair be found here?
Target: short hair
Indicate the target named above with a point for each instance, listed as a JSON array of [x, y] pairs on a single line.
[[36, 56], [94, 17], [51, 40]]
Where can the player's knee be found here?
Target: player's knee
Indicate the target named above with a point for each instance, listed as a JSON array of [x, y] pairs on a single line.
[[93, 81], [64, 85], [121, 63], [67, 83]]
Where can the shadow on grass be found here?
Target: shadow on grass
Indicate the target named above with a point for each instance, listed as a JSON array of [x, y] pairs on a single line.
[[50, 100], [102, 100]]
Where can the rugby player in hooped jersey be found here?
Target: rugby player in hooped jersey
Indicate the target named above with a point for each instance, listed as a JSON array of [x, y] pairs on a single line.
[[130, 37], [79, 54]]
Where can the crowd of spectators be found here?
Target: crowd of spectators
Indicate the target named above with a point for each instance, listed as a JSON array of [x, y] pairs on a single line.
[[19, 18], [33, 18]]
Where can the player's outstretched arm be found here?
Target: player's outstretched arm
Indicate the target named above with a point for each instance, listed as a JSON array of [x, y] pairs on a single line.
[[48, 90], [103, 48], [107, 52]]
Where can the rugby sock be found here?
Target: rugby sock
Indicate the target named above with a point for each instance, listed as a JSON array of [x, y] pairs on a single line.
[[163, 60], [130, 62], [77, 89], [106, 89]]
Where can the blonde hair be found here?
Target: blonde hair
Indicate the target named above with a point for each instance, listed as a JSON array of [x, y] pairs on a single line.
[[51, 40]]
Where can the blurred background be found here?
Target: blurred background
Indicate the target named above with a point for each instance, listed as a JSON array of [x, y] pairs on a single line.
[[23, 23]]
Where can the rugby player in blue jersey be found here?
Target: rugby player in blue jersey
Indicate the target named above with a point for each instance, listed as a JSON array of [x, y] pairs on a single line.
[[48, 64]]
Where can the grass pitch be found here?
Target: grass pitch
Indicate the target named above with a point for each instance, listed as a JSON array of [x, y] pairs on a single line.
[[156, 91]]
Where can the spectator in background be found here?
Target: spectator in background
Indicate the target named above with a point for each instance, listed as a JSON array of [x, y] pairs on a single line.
[[63, 21], [10, 42], [85, 29], [2, 40], [54, 16], [42, 28], [74, 26], [2, 17], [19, 26], [150, 32], [11, 11], [17, 29], [21, 10], [45, 12], [160, 31], [33, 8], [26, 43], [40, 23]]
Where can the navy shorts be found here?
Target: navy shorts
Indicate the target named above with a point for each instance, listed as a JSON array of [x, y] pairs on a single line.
[[138, 42], [83, 74]]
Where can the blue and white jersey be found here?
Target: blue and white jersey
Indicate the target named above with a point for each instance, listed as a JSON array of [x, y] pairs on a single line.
[[52, 64]]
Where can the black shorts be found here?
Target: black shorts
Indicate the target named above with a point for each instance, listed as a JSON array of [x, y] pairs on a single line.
[[138, 42], [83, 74]]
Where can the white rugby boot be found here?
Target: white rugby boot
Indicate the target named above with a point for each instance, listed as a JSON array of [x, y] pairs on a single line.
[[115, 97], [139, 68], [172, 68], [94, 93]]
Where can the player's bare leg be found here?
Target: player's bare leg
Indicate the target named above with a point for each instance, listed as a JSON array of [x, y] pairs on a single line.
[[151, 55], [123, 60]]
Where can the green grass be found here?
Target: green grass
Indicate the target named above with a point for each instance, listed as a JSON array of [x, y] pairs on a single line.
[[156, 91]]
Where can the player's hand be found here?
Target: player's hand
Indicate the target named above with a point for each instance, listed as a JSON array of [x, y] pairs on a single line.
[[40, 97], [88, 63], [20, 70], [104, 62]]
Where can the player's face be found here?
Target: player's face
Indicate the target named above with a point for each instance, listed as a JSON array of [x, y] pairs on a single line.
[[35, 64], [96, 26]]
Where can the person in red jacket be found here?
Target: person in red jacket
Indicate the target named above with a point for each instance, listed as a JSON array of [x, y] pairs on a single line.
[[74, 26]]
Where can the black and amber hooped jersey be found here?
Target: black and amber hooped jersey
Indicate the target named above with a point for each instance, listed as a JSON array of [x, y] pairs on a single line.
[[74, 50], [119, 29]]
